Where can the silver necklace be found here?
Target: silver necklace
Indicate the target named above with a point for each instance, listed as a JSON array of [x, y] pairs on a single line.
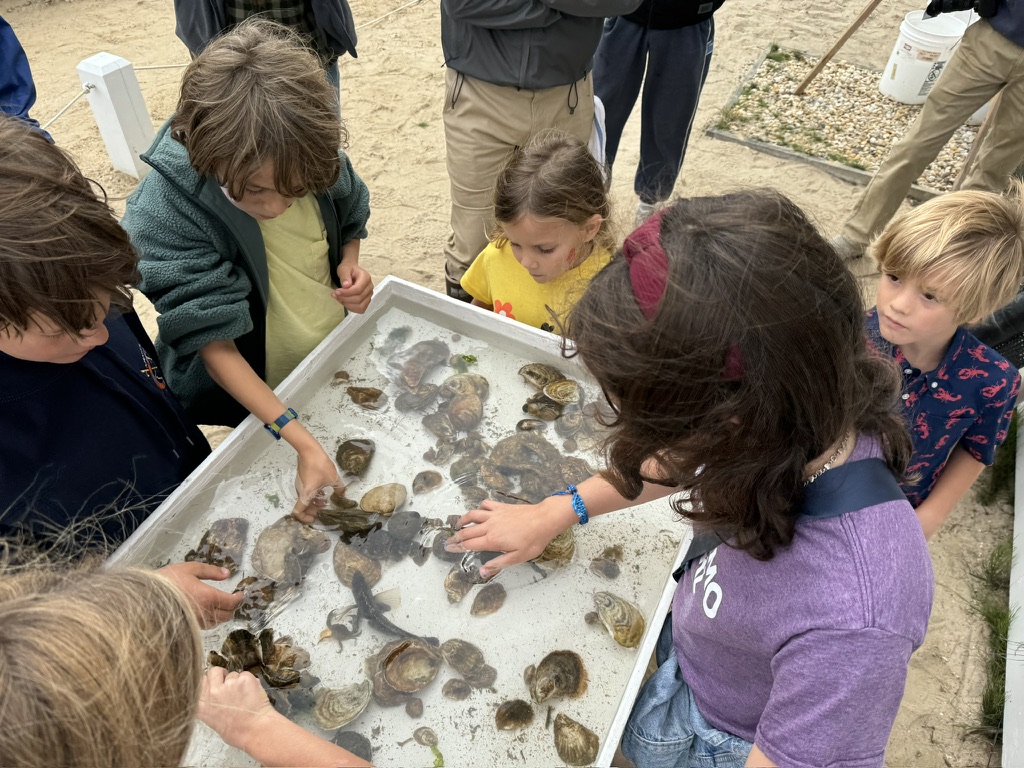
[[831, 460]]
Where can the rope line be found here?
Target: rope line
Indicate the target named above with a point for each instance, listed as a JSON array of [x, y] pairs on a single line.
[[86, 87], [160, 66], [391, 13]]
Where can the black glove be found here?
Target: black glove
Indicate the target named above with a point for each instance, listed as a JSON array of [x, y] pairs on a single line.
[[935, 7]]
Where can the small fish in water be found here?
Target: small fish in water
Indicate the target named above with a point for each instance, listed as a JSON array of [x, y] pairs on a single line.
[[369, 610], [337, 627]]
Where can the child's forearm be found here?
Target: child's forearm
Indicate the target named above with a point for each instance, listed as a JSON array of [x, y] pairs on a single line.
[[959, 474], [350, 252], [280, 742]]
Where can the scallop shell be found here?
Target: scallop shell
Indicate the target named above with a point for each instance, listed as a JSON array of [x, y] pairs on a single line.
[[623, 620], [539, 375], [457, 689], [348, 560], [576, 744], [409, 665], [336, 707], [559, 674], [462, 656], [384, 499], [563, 391], [427, 480], [488, 600], [513, 715]]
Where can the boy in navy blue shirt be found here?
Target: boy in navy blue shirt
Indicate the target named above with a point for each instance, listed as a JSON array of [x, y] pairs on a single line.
[[944, 264]]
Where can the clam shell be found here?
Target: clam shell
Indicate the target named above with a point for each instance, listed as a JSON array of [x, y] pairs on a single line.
[[348, 560], [513, 715], [354, 455], [623, 620], [559, 674], [409, 665], [336, 707], [462, 656], [488, 600], [384, 499], [563, 392], [425, 481], [576, 744], [539, 375]]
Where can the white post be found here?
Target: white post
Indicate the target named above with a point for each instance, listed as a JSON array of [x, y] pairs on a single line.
[[119, 109]]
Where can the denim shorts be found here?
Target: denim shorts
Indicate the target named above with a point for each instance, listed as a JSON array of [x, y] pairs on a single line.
[[665, 728]]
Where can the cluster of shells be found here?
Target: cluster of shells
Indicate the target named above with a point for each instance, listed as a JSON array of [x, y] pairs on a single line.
[[842, 116]]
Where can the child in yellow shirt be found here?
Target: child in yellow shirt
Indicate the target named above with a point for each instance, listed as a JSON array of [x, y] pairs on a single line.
[[551, 237]]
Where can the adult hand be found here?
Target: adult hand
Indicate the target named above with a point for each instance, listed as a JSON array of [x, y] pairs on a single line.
[[234, 704], [211, 605], [521, 531], [356, 288], [316, 475]]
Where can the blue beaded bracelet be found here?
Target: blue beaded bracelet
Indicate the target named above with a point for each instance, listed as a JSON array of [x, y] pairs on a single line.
[[577, 503]]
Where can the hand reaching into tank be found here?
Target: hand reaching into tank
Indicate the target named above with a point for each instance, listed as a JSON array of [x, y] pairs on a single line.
[[315, 476], [211, 605]]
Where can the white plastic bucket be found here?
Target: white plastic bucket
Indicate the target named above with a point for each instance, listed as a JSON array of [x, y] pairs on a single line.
[[919, 56]]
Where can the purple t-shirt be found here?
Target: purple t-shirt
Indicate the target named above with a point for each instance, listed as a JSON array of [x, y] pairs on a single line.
[[806, 654]]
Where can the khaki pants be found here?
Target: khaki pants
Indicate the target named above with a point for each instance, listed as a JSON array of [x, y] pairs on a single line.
[[985, 63], [483, 123]]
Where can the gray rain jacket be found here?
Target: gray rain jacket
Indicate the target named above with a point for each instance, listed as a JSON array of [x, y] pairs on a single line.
[[530, 44]]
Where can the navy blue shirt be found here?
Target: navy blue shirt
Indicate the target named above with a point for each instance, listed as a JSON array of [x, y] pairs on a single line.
[[102, 439], [966, 400], [17, 90], [1009, 20]]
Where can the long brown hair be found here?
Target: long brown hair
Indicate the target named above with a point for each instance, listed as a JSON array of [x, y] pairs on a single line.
[[753, 363], [96, 668], [62, 252], [257, 94]]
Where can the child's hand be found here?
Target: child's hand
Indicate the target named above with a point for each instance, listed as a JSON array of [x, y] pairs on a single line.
[[211, 605], [356, 288], [234, 705], [316, 473]]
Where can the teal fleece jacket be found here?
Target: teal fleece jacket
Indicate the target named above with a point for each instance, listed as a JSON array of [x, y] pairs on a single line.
[[204, 267]]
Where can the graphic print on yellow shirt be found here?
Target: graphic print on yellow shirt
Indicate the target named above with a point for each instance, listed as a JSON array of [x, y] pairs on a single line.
[[499, 281], [300, 310]]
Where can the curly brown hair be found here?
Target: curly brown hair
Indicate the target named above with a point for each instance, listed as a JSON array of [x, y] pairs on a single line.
[[62, 252], [257, 94], [749, 277]]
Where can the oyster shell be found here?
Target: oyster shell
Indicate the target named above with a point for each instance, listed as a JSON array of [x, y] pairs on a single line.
[[259, 594], [283, 661], [457, 584], [336, 707], [439, 425], [462, 656], [418, 400], [410, 366], [570, 422], [405, 524], [529, 425], [488, 600], [370, 398], [623, 620], [355, 743], [223, 544], [438, 550], [574, 470], [425, 736], [539, 375], [384, 499], [425, 481], [483, 677], [474, 495], [559, 674], [543, 407], [348, 560], [465, 412], [465, 471], [457, 689], [607, 563], [559, 551], [414, 707], [284, 550], [525, 451], [440, 453], [492, 477], [513, 715], [239, 652], [465, 384], [409, 665], [563, 392], [576, 744], [354, 455]]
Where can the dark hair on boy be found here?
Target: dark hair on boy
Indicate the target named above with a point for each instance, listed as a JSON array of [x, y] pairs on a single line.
[[256, 94], [754, 363], [62, 252], [554, 176]]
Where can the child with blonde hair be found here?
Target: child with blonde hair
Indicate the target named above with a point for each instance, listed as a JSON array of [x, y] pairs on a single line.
[[104, 668], [249, 229], [551, 237], [945, 265]]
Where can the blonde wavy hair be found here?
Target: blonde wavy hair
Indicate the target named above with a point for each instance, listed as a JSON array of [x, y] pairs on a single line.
[[96, 668], [967, 246]]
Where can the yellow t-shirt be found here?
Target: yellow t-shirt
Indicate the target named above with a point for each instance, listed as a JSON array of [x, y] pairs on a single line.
[[499, 281], [300, 310]]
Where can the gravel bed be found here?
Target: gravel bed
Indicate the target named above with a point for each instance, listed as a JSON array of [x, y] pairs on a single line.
[[841, 117]]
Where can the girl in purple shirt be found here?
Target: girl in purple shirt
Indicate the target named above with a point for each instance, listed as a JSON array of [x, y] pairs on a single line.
[[728, 339]]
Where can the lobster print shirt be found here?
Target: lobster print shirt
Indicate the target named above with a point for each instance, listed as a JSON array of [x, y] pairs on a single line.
[[967, 400]]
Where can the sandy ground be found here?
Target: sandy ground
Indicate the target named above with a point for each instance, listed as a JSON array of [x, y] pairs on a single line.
[[391, 99]]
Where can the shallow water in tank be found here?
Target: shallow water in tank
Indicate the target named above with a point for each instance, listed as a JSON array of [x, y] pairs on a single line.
[[544, 610]]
